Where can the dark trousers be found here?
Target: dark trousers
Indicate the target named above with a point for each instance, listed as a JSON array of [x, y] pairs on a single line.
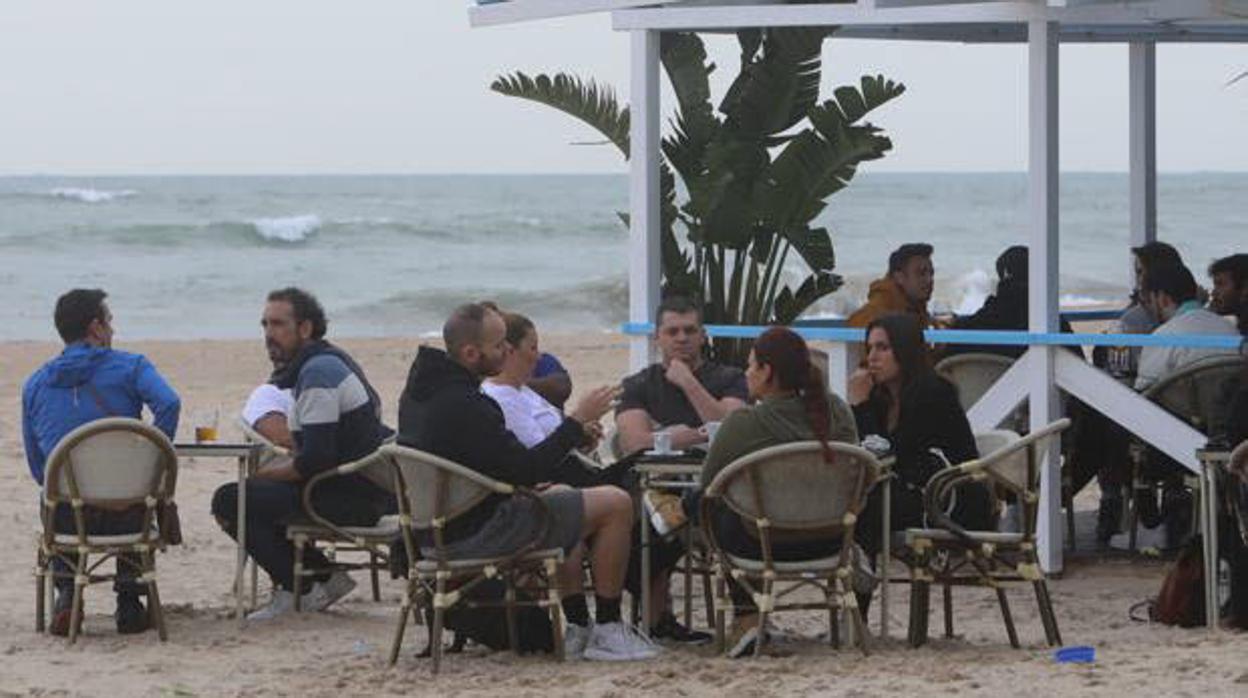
[[1231, 548], [271, 506], [972, 510], [100, 522]]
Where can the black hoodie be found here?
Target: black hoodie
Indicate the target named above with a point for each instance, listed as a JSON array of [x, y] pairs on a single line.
[[443, 411]]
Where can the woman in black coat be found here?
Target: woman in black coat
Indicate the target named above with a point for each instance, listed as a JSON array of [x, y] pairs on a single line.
[[899, 397]]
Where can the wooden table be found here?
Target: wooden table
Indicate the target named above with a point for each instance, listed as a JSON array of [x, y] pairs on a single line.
[[248, 456]]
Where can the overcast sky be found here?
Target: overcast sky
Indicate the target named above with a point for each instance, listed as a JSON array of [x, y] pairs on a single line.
[[401, 86]]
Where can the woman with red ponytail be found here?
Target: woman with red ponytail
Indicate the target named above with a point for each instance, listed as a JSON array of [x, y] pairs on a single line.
[[791, 403]]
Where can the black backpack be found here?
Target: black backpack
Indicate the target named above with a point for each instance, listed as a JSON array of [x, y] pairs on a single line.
[[488, 626]]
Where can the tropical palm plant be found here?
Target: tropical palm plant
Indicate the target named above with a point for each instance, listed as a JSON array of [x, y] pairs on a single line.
[[756, 172]]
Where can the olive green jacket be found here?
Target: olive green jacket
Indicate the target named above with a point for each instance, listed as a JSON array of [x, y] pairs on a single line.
[[771, 422]]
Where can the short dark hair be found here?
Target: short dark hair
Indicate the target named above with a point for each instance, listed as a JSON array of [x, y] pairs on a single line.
[[1154, 255], [1236, 265], [463, 327], [1174, 280], [897, 260], [679, 305], [75, 310], [305, 307]]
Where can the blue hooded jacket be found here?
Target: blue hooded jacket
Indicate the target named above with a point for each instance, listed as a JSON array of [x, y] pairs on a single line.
[[56, 399]]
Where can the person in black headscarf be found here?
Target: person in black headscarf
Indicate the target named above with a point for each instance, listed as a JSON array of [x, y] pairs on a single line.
[[1004, 310]]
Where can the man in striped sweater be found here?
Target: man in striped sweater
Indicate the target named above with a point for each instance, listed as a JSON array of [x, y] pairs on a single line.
[[336, 420]]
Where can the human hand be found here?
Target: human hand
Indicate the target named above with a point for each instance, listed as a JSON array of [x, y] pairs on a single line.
[[860, 384], [593, 405], [679, 374], [684, 436]]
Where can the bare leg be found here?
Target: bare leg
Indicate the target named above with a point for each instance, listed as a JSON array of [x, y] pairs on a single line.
[[609, 520], [571, 574]]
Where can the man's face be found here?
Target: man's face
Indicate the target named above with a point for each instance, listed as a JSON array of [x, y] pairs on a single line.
[[486, 359], [283, 337], [680, 336], [1224, 299], [916, 278]]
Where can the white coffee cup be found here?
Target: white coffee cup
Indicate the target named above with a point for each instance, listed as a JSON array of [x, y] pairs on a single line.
[[662, 442], [710, 429]]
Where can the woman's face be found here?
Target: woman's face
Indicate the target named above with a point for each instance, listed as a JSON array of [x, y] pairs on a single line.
[[523, 357], [757, 378], [881, 362]]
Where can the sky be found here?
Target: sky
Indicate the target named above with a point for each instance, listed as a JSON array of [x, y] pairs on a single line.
[[401, 86]]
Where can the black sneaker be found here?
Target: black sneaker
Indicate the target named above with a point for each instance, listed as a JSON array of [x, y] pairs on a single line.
[[131, 616], [668, 628]]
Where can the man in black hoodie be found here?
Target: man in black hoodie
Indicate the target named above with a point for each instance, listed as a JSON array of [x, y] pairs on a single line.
[[443, 411]]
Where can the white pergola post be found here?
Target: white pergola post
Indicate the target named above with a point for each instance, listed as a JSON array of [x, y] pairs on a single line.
[[1043, 167], [1142, 101], [644, 262]]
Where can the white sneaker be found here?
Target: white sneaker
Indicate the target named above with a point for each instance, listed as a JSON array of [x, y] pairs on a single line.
[[575, 638], [617, 642], [280, 603], [338, 586]]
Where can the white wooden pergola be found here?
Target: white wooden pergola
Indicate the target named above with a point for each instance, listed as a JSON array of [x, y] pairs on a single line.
[[1044, 369]]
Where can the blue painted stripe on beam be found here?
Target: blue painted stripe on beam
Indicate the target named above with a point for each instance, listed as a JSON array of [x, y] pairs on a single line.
[[990, 337], [1069, 315]]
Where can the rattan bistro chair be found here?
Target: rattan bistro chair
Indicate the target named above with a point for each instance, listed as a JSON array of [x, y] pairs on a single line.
[[113, 464], [788, 490], [374, 541], [1196, 394], [948, 554], [433, 491]]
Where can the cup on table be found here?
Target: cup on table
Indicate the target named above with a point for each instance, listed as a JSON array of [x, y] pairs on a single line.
[[662, 441], [206, 426], [710, 429]]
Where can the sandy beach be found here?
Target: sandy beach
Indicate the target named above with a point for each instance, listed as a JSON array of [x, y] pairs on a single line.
[[343, 652]]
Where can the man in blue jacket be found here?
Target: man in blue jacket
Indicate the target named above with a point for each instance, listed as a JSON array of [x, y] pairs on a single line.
[[89, 381]]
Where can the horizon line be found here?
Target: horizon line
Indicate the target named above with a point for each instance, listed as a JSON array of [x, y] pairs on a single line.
[[37, 175]]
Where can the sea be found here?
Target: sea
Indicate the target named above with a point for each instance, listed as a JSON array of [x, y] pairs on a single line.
[[193, 257]]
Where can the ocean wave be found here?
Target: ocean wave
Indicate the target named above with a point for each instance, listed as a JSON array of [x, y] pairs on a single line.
[[288, 229], [87, 195]]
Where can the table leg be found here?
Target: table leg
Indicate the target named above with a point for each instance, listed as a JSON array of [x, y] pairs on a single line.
[[644, 482], [886, 552], [241, 562], [1209, 522]]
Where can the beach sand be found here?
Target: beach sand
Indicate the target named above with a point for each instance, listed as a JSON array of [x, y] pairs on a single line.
[[343, 652]]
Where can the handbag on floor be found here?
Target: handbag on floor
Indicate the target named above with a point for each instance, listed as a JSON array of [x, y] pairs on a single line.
[[1181, 600]]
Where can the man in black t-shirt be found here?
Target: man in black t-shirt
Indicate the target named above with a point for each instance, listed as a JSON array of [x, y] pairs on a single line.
[[681, 393], [678, 396]]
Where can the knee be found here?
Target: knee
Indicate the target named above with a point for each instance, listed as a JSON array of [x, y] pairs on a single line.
[[615, 503]]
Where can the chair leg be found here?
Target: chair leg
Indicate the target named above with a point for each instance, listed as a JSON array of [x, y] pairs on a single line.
[[948, 603], [372, 570], [762, 619], [707, 596], [1051, 633], [513, 629], [397, 642], [41, 592], [859, 624], [80, 574], [834, 615], [556, 606], [919, 599], [435, 631], [1009, 620], [298, 575], [720, 614], [154, 608]]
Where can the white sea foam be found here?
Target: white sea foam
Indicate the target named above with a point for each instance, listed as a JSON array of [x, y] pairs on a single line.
[[972, 289], [91, 196], [1071, 300], [287, 228]]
